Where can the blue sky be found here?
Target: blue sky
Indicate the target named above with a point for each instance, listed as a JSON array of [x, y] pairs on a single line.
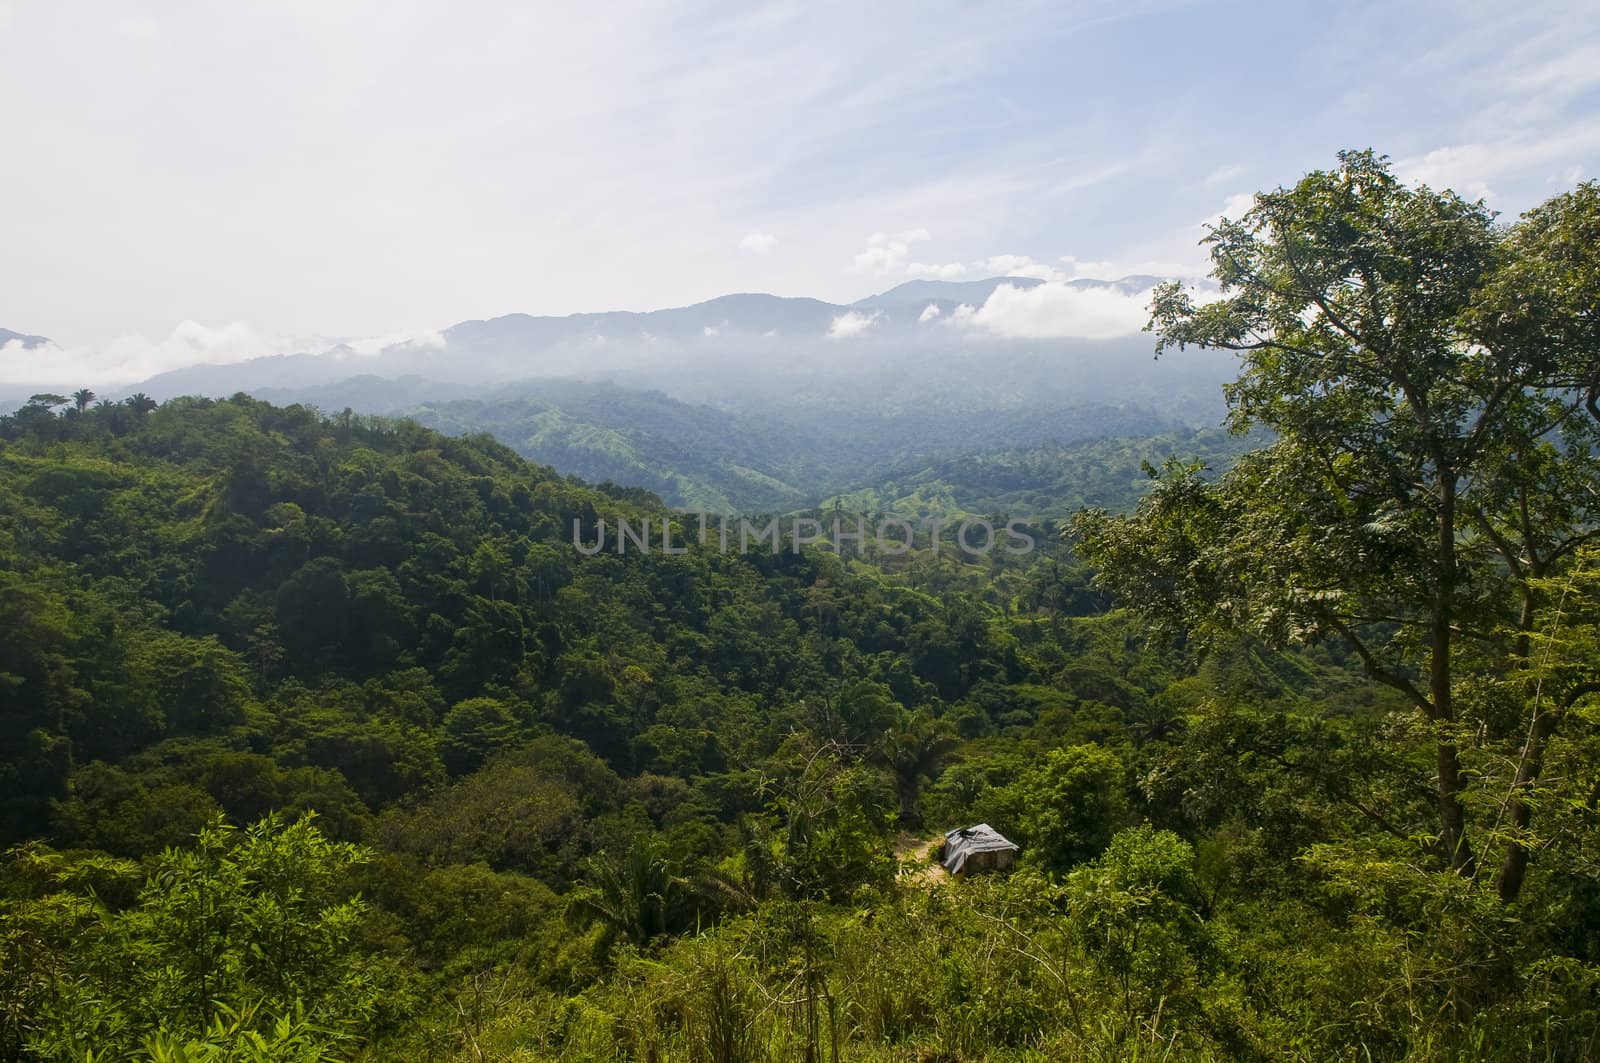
[[269, 172]]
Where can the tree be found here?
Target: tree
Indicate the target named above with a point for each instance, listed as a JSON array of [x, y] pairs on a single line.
[[913, 749], [640, 898], [140, 403], [1423, 471], [1066, 810], [472, 730], [81, 399], [1559, 669], [256, 925], [1133, 909]]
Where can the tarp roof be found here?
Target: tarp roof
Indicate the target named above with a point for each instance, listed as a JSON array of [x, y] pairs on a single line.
[[964, 842]]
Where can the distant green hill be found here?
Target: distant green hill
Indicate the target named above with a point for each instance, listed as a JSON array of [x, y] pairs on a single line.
[[699, 456], [693, 456], [1047, 482]]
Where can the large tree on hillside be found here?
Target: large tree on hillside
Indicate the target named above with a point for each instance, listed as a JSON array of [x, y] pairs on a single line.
[[1433, 460]]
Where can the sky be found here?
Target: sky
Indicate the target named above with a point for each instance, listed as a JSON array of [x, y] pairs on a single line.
[[189, 181]]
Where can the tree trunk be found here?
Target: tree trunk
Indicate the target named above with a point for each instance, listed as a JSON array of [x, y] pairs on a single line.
[[1515, 866], [1452, 820], [910, 806]]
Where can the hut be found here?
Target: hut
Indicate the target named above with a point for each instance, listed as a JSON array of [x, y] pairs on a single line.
[[980, 848]]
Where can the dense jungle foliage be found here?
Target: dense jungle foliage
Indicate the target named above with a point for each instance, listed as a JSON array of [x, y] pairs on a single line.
[[319, 739]]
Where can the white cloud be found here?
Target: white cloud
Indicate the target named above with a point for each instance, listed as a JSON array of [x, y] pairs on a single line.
[[1057, 311], [323, 249], [424, 340], [1463, 168], [712, 330], [446, 235], [759, 243], [929, 312], [1026, 266], [1100, 270], [1234, 207], [937, 271], [885, 252], [990, 266], [878, 259], [1180, 253], [850, 324], [128, 359], [1069, 267], [1194, 267], [1017, 266], [1473, 170]]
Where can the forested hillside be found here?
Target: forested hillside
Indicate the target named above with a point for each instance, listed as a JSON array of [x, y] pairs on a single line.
[[1044, 482], [1043, 454], [320, 740]]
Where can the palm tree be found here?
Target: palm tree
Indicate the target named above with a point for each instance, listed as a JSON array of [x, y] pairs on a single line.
[[81, 399], [638, 900], [141, 404], [648, 895], [914, 750]]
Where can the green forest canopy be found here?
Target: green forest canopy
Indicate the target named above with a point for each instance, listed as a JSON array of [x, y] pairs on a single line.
[[319, 741]]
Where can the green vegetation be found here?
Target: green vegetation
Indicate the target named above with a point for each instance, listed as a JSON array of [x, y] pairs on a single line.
[[695, 457], [1036, 460], [1043, 482], [319, 741]]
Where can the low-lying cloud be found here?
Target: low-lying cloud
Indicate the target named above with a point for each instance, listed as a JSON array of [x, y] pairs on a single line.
[[1057, 311], [849, 324], [424, 340], [130, 359]]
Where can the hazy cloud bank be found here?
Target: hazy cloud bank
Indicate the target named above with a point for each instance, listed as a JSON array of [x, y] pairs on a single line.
[[129, 359]]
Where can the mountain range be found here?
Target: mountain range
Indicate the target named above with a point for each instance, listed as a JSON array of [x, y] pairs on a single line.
[[755, 401]]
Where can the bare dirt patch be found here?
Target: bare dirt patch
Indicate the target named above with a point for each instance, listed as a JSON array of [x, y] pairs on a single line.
[[917, 862]]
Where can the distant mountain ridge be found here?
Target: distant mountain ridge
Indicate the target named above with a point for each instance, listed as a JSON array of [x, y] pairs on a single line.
[[750, 314], [758, 402], [669, 346]]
